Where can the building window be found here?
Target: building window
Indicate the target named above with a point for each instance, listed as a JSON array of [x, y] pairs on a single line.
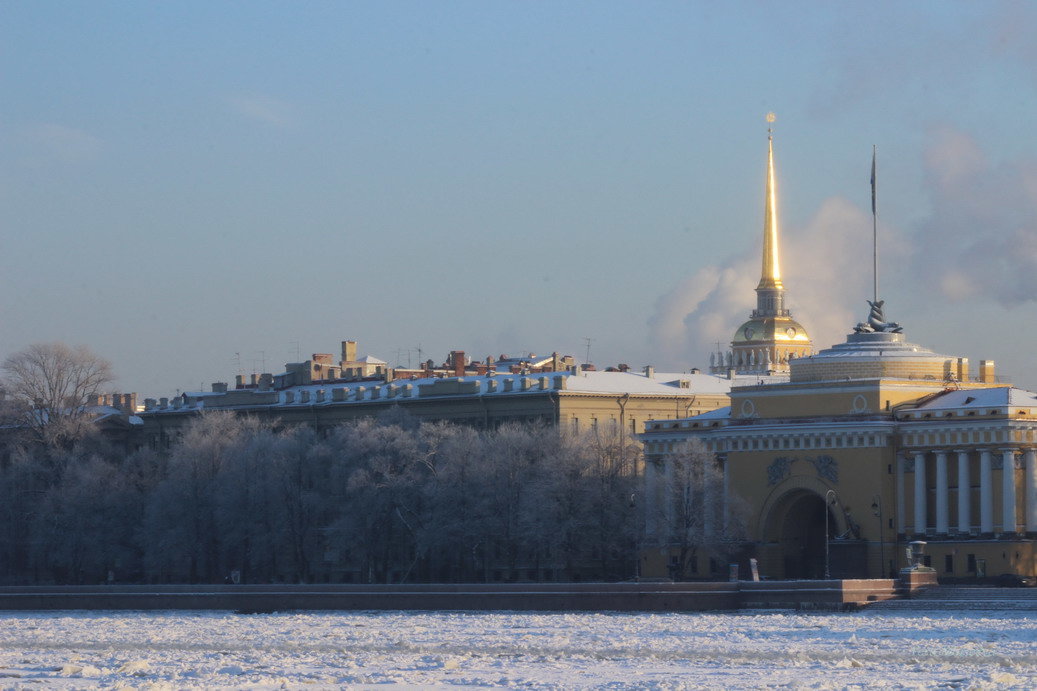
[[970, 563], [948, 563]]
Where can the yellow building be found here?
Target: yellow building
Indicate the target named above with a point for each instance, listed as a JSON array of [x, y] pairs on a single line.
[[574, 398], [867, 446], [872, 443]]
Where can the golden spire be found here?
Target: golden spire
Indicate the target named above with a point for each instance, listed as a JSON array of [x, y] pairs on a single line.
[[771, 274]]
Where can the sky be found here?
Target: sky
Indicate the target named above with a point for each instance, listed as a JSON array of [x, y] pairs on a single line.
[[195, 190]]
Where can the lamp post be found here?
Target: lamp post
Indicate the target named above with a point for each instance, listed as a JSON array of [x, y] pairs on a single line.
[[876, 509], [830, 497]]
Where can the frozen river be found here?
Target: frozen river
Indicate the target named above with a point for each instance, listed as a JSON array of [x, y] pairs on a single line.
[[178, 650]]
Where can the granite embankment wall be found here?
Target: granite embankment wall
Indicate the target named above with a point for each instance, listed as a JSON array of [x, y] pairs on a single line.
[[627, 597]]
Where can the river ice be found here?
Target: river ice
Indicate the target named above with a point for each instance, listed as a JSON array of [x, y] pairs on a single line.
[[180, 650]]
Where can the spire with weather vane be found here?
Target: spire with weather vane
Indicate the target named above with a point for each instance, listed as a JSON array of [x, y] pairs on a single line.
[[770, 292], [771, 338]]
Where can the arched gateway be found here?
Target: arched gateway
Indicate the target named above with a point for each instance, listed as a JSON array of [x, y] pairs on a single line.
[[795, 524], [793, 531]]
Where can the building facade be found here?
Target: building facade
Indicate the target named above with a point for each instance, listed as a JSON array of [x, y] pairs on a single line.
[[485, 395], [833, 468], [871, 444]]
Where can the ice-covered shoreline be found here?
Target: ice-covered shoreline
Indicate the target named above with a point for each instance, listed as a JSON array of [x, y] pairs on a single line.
[[535, 650]]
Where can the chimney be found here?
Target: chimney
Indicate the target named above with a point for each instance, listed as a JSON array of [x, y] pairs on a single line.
[[129, 403], [986, 372], [623, 367], [219, 387], [457, 362], [649, 372], [349, 351], [963, 369], [239, 381]]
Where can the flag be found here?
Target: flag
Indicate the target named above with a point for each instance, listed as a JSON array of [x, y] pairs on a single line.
[[873, 181]]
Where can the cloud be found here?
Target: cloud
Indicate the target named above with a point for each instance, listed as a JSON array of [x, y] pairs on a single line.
[[826, 268], [980, 241], [58, 143], [263, 109]]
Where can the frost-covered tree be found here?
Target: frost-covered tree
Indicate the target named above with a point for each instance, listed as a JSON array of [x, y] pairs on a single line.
[[184, 540], [48, 385], [696, 514]]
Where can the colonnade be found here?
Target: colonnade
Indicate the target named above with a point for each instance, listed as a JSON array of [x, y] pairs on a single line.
[[965, 523]]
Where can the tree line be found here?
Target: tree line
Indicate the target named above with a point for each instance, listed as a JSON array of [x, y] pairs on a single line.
[[376, 500]]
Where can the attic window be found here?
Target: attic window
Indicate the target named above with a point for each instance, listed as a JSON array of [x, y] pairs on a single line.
[[992, 412], [970, 399], [972, 412], [948, 414], [927, 415]]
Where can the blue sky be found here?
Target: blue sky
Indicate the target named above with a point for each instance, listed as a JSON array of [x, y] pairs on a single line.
[[184, 182]]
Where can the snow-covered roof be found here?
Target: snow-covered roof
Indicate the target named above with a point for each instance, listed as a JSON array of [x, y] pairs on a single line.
[[635, 382], [981, 398], [372, 360], [340, 393]]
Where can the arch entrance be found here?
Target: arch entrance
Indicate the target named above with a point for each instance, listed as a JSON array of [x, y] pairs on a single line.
[[802, 535]]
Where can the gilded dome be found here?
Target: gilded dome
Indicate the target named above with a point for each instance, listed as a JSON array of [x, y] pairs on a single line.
[[771, 330]]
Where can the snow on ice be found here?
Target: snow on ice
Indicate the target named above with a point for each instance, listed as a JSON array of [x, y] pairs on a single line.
[[185, 650]]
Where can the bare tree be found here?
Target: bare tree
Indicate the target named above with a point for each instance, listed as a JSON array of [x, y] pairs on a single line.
[[696, 514], [49, 386]]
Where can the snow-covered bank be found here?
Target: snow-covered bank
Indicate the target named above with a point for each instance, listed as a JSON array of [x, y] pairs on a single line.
[[329, 650]]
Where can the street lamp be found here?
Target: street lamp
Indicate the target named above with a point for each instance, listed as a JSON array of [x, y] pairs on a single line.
[[830, 497], [876, 510]]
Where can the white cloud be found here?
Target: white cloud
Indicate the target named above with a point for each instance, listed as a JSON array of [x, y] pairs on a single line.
[[827, 276], [980, 241], [60, 143], [269, 111]]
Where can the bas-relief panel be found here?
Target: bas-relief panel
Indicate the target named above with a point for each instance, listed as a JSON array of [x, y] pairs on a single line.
[[827, 468]]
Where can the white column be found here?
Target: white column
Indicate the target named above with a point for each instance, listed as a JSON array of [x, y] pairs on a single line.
[[1031, 490], [901, 520], [1008, 490], [651, 500], [668, 500], [964, 494], [943, 493], [727, 492], [986, 492], [920, 506]]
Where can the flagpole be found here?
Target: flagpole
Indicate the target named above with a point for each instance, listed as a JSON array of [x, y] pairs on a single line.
[[874, 233]]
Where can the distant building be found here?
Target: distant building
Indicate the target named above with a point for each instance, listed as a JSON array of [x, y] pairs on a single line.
[[550, 390]]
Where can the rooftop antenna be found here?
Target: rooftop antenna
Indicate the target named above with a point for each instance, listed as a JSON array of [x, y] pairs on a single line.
[[588, 340], [874, 233], [262, 360], [237, 361]]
